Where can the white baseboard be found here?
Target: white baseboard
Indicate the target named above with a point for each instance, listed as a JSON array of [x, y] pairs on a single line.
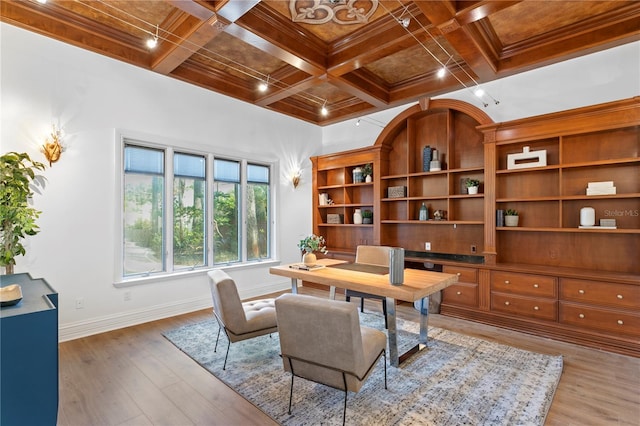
[[98, 325]]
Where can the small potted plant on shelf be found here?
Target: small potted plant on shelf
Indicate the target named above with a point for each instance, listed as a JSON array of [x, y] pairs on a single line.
[[309, 246], [367, 172], [367, 217], [511, 217], [472, 186]]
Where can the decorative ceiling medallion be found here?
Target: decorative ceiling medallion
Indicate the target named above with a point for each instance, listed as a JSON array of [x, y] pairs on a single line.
[[342, 12]]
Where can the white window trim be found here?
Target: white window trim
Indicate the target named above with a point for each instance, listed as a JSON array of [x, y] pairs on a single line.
[[169, 146]]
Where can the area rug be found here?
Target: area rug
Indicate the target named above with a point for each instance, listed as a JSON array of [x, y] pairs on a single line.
[[458, 380]]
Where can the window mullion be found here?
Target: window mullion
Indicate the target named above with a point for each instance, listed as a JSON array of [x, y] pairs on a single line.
[[169, 219], [210, 225]]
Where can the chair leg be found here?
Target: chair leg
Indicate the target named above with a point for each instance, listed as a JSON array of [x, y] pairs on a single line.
[[384, 311], [217, 338], [291, 393], [346, 392], [348, 298], [224, 367], [291, 390], [384, 354], [362, 304]]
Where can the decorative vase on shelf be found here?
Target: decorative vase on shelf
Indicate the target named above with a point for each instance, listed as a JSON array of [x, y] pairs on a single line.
[[472, 190], [309, 259], [368, 178], [424, 213], [357, 175], [426, 158], [357, 217]]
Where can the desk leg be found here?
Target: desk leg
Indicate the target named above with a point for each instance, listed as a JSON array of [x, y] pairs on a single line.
[[424, 319], [394, 360], [294, 285], [332, 292]]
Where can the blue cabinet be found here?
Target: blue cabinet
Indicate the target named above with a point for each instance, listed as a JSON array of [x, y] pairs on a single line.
[[29, 354]]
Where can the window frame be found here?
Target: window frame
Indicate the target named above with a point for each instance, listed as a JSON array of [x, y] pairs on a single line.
[[170, 147]]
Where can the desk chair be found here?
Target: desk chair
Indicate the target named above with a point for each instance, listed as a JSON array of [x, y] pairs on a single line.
[[371, 255], [321, 340], [240, 321]]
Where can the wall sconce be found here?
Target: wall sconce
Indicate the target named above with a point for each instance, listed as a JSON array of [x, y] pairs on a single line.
[[295, 178], [52, 147]]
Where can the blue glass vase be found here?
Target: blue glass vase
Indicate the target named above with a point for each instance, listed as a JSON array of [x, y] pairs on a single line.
[[426, 158]]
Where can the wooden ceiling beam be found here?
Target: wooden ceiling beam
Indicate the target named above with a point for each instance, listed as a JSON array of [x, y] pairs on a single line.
[[273, 34], [364, 89], [188, 35], [289, 91], [476, 53]]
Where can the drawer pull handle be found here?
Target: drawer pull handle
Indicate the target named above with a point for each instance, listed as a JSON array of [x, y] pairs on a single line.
[[619, 296], [581, 315], [506, 281], [535, 308], [536, 286], [620, 322], [458, 293], [581, 291], [507, 303]]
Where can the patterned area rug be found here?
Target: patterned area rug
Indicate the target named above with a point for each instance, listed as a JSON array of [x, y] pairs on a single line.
[[459, 380]]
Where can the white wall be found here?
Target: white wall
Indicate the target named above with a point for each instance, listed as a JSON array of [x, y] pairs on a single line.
[[44, 81], [605, 76]]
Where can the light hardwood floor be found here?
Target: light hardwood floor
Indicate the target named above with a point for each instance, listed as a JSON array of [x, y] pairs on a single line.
[[134, 376]]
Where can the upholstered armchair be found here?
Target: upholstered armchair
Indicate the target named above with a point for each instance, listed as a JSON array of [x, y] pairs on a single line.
[[240, 321], [371, 255], [321, 340]]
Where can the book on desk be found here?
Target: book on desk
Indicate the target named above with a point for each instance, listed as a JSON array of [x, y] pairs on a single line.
[[303, 267]]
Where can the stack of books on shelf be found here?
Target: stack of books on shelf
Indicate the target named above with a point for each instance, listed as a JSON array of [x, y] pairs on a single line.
[[601, 188]]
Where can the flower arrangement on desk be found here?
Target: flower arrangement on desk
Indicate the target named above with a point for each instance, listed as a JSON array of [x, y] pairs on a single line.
[[309, 246], [312, 244]]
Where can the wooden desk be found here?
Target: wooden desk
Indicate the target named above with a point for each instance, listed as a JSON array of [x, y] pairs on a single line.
[[418, 285]]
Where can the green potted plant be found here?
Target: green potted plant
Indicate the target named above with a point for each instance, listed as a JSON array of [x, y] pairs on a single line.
[[511, 217], [367, 217], [367, 172], [309, 246], [472, 185], [18, 219]]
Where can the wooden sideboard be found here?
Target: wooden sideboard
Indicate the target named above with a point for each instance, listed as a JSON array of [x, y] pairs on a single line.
[[546, 276]]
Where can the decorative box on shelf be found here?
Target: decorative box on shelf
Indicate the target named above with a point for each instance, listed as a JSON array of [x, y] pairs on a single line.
[[397, 191], [335, 218], [601, 188]]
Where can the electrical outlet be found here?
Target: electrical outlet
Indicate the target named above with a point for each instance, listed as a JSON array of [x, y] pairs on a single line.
[[427, 246], [80, 303], [127, 296], [474, 249]]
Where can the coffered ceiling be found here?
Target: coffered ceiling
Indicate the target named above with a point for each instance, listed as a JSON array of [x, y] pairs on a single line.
[[353, 57]]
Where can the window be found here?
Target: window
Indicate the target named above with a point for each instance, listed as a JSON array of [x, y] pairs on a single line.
[[185, 210], [257, 212], [226, 211], [143, 210], [189, 231]]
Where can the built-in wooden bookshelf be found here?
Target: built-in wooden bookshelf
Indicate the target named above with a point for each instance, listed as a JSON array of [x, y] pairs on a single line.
[[546, 276]]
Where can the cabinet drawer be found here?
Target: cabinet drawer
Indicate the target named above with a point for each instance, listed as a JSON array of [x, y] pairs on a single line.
[[465, 275], [601, 319], [527, 284], [525, 306], [461, 294], [600, 293]]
